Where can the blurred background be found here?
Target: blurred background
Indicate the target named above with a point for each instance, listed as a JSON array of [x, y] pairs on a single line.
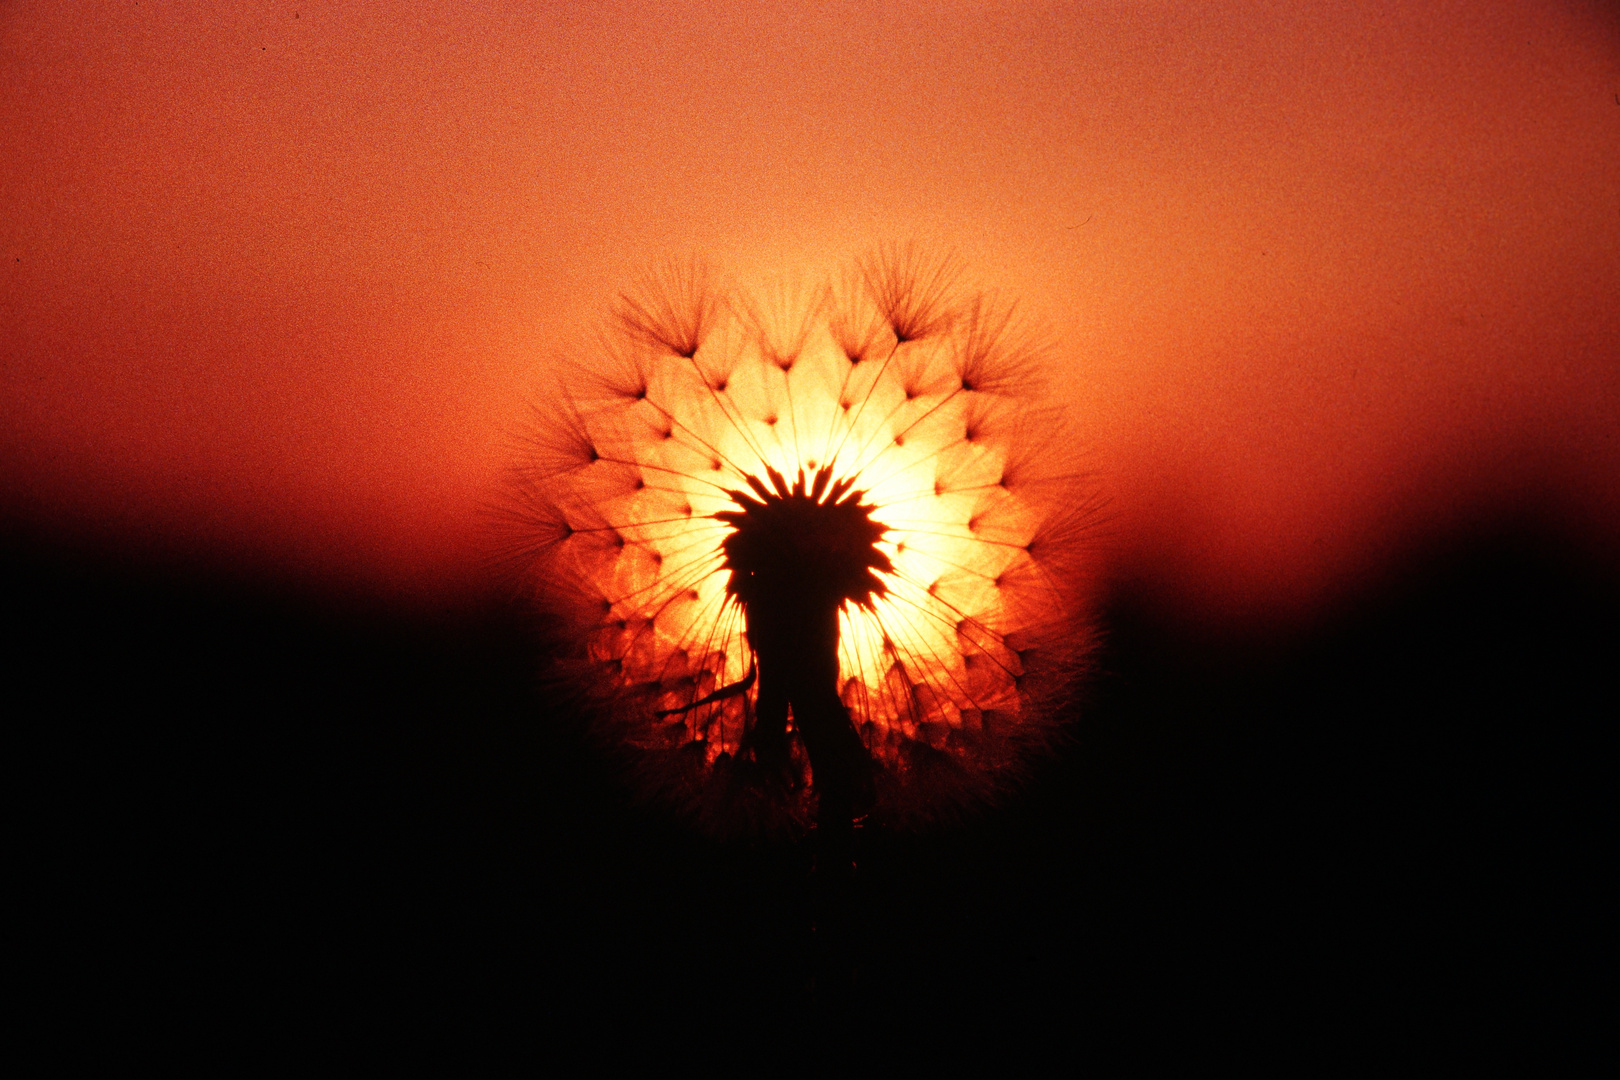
[[1331, 298]]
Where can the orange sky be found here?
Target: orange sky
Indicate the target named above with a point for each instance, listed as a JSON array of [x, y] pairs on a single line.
[[279, 278]]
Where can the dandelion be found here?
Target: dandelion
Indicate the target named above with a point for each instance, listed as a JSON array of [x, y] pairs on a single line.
[[808, 550]]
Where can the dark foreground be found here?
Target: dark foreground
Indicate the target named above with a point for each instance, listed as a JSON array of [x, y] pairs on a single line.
[[260, 827]]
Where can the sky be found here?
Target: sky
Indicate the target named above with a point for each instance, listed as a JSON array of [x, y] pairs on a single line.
[[1323, 283]]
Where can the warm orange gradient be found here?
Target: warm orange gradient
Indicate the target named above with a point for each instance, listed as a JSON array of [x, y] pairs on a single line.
[[279, 279]]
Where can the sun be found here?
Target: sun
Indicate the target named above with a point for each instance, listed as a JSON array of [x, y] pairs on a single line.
[[738, 483]]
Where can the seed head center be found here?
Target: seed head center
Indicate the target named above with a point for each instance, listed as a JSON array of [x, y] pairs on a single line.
[[806, 546]]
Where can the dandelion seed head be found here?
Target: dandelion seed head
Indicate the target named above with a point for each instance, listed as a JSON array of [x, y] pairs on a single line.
[[870, 440]]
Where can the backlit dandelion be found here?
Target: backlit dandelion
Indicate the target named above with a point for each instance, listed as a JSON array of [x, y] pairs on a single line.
[[808, 548]]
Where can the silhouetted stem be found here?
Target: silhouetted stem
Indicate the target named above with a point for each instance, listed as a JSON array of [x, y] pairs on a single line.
[[796, 648]]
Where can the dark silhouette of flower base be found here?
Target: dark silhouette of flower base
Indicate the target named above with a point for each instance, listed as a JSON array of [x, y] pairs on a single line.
[[808, 552]]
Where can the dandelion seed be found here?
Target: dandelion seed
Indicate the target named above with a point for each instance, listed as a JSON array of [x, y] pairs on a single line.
[[674, 309], [911, 291], [806, 549]]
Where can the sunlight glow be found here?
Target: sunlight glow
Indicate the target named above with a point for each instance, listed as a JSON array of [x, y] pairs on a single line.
[[924, 403]]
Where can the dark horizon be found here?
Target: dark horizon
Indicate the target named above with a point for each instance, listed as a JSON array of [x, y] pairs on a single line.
[[263, 815]]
